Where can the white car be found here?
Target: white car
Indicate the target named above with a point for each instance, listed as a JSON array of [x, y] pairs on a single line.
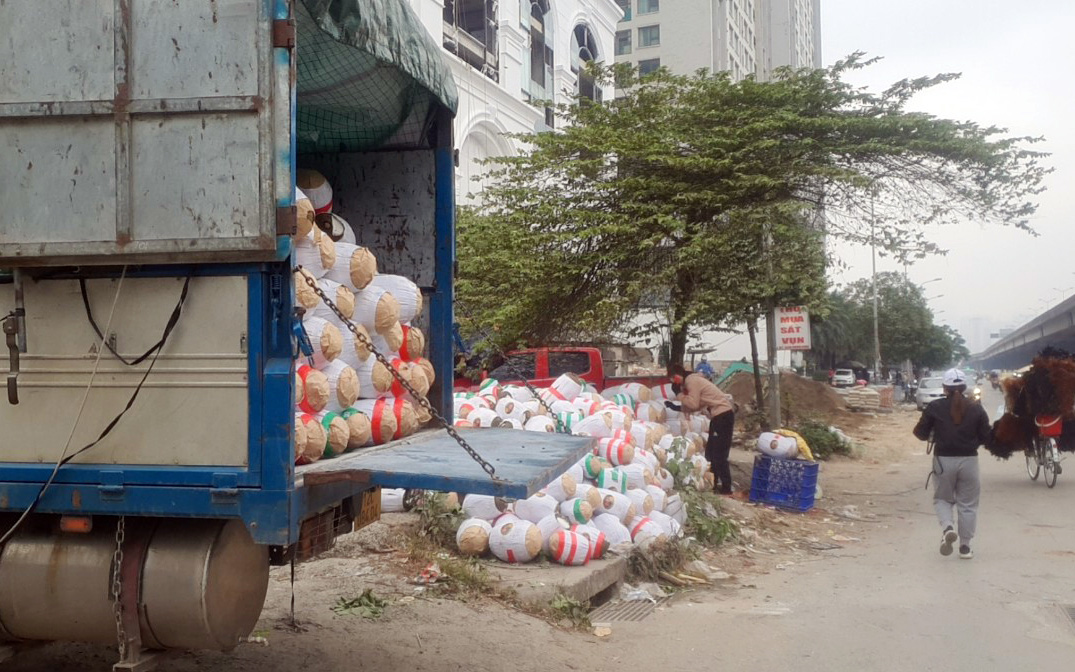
[[928, 390], [843, 378]]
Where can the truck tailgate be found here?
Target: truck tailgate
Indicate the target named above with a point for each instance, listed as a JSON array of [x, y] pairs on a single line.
[[525, 462]]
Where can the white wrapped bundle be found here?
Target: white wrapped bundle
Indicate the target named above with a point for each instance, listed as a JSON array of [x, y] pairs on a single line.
[[668, 526], [548, 526], [586, 406], [676, 424], [643, 530], [420, 382], [312, 390], [618, 505], [664, 479], [354, 266], [599, 425], [299, 437], [393, 500], [507, 407], [588, 468], [484, 507], [658, 495], [569, 420], [641, 436], [615, 451], [390, 341], [518, 392], [413, 346], [425, 365], [484, 417], [662, 392], [535, 407], [390, 418], [650, 411], [461, 424], [316, 253], [511, 423], [514, 540], [316, 439], [613, 479], [589, 494], [535, 507], [405, 291], [540, 423], [305, 296], [342, 297], [464, 406], [598, 541], [662, 457], [576, 510], [352, 352], [326, 340], [698, 423], [647, 459], [567, 386], [637, 390], [673, 507], [361, 431], [472, 537], [337, 433], [559, 406], [641, 499], [376, 309], [339, 223], [343, 385], [489, 387], [776, 445], [696, 443], [667, 442], [613, 529], [624, 400], [304, 221], [568, 548], [316, 188], [562, 488], [376, 380]]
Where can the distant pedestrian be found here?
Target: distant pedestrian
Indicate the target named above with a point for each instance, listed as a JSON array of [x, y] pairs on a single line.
[[957, 428], [696, 394]]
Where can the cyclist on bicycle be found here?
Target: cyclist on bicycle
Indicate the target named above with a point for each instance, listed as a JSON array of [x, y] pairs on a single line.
[[958, 428]]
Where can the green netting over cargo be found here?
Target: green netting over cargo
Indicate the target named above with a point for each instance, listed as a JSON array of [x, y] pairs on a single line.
[[369, 76]]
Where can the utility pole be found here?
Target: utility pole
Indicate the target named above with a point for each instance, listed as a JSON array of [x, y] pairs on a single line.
[[873, 280], [770, 337]]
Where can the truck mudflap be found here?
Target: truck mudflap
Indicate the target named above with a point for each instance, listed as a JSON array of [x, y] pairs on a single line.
[[525, 462]]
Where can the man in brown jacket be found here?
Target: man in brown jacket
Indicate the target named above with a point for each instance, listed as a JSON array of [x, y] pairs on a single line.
[[696, 394]]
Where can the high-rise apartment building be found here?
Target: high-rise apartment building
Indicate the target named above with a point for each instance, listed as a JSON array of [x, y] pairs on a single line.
[[742, 37]]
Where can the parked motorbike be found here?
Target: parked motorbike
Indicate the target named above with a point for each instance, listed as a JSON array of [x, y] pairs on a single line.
[[909, 390]]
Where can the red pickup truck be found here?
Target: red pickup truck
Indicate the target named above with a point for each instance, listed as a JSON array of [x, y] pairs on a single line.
[[541, 366]]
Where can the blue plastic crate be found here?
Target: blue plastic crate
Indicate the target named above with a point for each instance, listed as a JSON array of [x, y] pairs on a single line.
[[788, 484]]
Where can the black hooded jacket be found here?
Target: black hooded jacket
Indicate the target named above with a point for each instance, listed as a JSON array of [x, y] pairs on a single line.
[[950, 439]]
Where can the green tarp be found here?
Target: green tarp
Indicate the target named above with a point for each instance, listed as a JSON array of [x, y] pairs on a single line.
[[369, 76]]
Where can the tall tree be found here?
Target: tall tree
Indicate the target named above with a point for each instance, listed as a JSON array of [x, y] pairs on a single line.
[[713, 195]]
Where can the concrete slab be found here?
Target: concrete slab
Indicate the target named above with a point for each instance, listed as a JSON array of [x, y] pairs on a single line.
[[539, 584]]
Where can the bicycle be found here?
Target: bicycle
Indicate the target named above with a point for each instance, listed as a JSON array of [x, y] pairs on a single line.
[[1045, 453]]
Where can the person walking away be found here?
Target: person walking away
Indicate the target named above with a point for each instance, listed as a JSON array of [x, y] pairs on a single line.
[[696, 394], [957, 428]]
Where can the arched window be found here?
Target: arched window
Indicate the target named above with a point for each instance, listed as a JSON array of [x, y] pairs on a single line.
[[540, 50], [584, 50]]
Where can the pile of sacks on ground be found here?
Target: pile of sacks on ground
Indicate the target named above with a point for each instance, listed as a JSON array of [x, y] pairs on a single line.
[[345, 398], [619, 496]]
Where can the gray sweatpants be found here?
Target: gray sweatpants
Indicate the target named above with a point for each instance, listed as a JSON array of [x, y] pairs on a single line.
[[956, 483]]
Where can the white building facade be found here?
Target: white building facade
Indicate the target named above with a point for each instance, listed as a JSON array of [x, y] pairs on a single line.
[[741, 37], [509, 57]]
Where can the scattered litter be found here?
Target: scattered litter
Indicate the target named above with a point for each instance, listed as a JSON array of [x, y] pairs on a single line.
[[429, 576], [840, 537], [644, 591], [602, 629], [366, 605]]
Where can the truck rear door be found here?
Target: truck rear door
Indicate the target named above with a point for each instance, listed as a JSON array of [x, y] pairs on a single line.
[[140, 129]]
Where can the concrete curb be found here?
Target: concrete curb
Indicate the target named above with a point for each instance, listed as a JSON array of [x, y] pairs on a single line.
[[540, 584]]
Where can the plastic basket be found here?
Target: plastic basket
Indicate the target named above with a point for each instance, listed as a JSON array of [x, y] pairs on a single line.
[[788, 484]]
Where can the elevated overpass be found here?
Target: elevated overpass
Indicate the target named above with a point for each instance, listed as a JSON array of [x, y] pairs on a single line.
[[1055, 327]]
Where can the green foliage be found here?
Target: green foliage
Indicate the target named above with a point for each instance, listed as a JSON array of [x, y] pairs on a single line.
[[844, 328], [823, 441], [655, 209], [570, 609], [366, 605], [704, 519], [438, 521]]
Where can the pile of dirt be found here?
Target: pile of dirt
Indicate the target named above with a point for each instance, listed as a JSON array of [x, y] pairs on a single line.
[[801, 398]]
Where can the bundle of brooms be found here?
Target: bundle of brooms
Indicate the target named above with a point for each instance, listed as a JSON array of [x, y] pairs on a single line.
[[1047, 389]]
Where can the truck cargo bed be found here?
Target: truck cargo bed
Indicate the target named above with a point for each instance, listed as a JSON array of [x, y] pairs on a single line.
[[431, 460]]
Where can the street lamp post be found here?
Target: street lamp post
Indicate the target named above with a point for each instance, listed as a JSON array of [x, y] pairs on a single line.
[[873, 280]]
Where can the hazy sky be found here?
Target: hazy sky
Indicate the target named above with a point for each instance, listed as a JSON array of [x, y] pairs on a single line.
[[1017, 61]]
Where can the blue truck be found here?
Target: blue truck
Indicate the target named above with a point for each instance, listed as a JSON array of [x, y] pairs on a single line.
[[147, 197]]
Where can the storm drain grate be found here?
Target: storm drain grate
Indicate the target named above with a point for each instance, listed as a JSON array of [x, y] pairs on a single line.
[[1069, 609], [635, 610]]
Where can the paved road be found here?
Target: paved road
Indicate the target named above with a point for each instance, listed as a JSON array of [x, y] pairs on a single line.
[[892, 602]]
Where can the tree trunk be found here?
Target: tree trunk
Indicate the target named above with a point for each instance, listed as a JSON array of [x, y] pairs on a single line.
[[681, 294], [758, 393], [678, 346]]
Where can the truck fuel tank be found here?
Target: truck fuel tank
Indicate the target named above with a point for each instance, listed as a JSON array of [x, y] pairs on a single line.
[[199, 584]]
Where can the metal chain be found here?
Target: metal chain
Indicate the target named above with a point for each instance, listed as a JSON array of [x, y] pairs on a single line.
[[560, 429], [418, 398], [117, 587]]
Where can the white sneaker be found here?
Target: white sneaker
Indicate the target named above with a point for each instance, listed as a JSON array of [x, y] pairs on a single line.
[[948, 540], [965, 553]]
